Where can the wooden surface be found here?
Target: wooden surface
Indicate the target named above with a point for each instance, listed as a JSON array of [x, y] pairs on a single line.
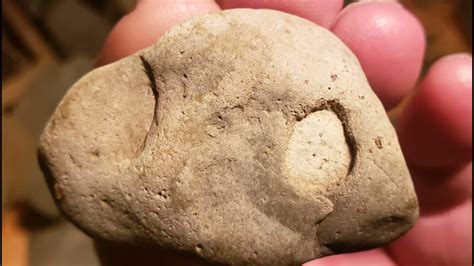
[[43, 57], [15, 239], [443, 21]]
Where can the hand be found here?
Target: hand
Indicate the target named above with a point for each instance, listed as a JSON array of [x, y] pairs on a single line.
[[435, 129]]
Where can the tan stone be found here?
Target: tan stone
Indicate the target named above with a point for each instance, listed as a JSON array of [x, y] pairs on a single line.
[[243, 136]]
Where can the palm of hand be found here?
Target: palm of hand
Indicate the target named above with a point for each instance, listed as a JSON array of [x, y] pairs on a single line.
[[435, 129]]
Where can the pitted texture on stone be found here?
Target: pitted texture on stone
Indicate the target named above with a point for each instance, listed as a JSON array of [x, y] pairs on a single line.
[[317, 150], [197, 143]]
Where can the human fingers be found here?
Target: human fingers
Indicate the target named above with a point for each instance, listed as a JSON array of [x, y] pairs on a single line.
[[389, 43], [366, 258], [439, 190], [435, 133], [321, 12], [147, 23], [435, 130], [440, 239]]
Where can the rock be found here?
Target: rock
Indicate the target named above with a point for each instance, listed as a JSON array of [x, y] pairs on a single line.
[[242, 136]]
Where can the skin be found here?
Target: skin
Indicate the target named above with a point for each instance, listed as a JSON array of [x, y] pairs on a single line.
[[435, 129]]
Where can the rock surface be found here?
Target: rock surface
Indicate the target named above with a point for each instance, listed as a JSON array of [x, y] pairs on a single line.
[[243, 136]]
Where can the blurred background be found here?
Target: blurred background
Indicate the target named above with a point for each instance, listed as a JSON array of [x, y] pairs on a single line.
[[46, 46]]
